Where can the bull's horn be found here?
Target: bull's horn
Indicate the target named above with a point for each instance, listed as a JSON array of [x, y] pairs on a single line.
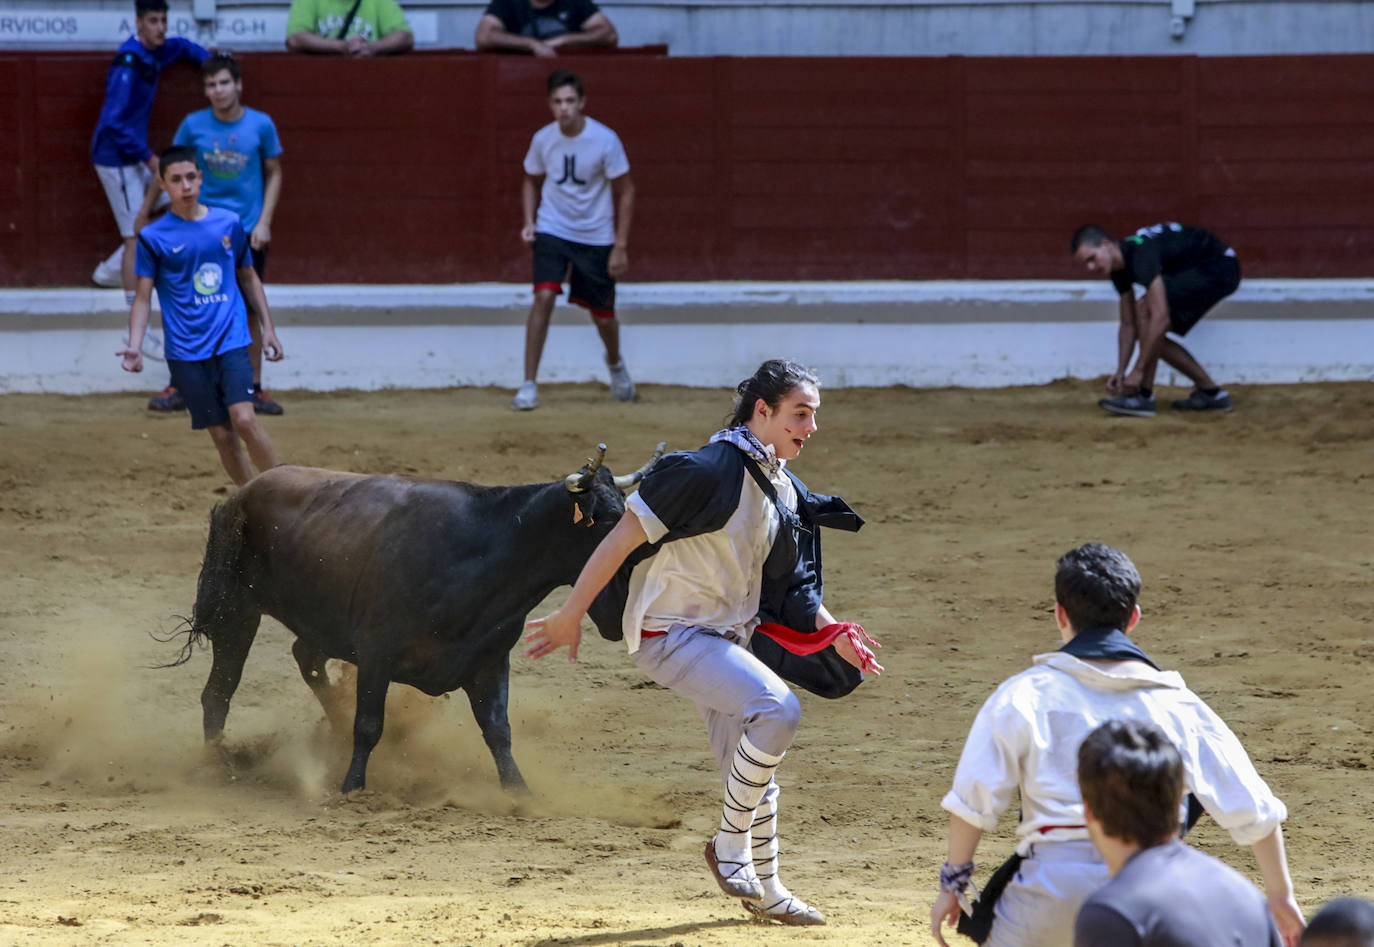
[[626, 481], [580, 481]]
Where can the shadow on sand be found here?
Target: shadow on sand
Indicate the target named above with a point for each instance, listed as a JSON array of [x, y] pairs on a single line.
[[643, 934]]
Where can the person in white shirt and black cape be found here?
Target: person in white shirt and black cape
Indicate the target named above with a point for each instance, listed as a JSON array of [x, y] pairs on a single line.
[[713, 580]]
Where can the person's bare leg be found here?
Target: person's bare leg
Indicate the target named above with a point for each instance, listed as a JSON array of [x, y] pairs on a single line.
[[254, 435], [255, 346], [609, 330], [231, 453], [1144, 318], [126, 266], [537, 330], [1181, 359]]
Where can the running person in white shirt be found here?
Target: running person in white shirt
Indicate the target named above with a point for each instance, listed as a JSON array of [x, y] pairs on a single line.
[[713, 542], [578, 177], [1026, 737]]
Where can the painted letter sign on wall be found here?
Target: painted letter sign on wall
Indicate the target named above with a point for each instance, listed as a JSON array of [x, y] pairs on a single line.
[[235, 28]]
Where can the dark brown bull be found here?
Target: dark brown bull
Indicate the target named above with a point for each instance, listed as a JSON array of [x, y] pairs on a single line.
[[424, 582]]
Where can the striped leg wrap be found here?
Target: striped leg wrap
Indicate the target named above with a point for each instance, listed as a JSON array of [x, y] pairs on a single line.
[[750, 773], [765, 835], [778, 903]]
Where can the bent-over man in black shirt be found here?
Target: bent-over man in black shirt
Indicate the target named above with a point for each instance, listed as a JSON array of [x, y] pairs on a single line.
[[1185, 271]]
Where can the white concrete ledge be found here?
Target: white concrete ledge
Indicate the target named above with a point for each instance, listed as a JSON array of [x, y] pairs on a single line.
[[855, 334], [80, 300]]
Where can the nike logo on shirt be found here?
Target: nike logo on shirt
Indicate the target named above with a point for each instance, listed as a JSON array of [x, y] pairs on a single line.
[[178, 249]]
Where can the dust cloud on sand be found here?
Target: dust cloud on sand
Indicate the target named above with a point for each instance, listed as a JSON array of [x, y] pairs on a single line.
[[120, 827]]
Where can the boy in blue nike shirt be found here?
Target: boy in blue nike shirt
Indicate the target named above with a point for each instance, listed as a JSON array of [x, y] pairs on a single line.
[[119, 146], [239, 153], [199, 260]]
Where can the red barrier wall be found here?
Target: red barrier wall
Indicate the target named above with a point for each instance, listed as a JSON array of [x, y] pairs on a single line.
[[407, 170]]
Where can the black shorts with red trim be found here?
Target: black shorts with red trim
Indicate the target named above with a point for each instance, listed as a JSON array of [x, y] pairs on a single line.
[[586, 267]]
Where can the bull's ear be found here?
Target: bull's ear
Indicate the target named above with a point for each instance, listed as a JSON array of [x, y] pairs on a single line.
[[584, 508]]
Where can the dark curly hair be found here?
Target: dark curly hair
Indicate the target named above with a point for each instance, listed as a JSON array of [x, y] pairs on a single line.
[[773, 380]]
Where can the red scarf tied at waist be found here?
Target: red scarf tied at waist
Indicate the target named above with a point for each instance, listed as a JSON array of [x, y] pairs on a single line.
[[801, 643]]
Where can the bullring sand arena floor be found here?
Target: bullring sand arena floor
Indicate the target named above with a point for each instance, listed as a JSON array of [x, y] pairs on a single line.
[[1252, 532]]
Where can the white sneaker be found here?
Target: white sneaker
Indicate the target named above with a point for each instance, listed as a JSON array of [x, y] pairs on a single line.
[[527, 398], [108, 275], [622, 388], [152, 344]]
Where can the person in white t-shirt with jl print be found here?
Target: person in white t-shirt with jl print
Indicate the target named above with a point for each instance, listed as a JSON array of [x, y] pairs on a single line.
[[577, 177]]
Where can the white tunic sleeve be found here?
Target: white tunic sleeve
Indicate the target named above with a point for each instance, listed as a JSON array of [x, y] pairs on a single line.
[[1220, 773], [989, 771]]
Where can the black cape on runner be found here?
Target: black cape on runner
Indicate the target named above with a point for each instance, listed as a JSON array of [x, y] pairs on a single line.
[[696, 492]]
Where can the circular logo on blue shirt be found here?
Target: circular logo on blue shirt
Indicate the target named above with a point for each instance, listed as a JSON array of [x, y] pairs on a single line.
[[208, 279]]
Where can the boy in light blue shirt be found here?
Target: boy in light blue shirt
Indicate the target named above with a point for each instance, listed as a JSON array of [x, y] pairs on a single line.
[[198, 259]]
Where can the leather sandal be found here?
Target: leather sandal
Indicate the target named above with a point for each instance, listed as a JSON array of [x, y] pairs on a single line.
[[737, 882], [794, 912]]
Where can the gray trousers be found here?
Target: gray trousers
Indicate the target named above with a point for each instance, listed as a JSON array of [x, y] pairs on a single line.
[[1039, 906], [735, 692]]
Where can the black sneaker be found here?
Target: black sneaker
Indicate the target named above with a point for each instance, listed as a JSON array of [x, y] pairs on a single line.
[[1134, 405], [168, 399], [265, 405], [1199, 400]]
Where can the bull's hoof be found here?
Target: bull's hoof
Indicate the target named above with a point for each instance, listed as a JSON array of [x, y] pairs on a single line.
[[518, 791], [216, 756]]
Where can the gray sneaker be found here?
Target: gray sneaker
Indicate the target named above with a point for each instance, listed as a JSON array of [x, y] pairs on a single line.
[[1201, 401], [1133, 405], [622, 388], [527, 398]]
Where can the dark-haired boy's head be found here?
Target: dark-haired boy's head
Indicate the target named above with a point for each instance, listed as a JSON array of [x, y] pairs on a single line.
[[1097, 586], [1131, 778], [565, 77], [220, 62], [177, 154], [150, 22], [1342, 922], [1095, 250], [1089, 235]]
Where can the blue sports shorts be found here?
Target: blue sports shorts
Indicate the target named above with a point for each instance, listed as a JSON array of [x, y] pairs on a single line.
[[212, 384]]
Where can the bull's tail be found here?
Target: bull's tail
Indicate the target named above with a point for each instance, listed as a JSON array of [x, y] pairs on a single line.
[[219, 589]]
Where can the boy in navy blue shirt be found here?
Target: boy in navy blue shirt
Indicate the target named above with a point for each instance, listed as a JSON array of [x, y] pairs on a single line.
[[199, 260], [119, 146]]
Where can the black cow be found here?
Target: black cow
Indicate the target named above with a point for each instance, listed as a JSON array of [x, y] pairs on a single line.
[[424, 582]]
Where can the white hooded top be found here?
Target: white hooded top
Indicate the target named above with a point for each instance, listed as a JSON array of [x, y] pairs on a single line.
[[1028, 732]]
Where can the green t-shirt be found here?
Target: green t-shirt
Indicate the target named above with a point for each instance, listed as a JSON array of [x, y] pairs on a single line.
[[374, 19]]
